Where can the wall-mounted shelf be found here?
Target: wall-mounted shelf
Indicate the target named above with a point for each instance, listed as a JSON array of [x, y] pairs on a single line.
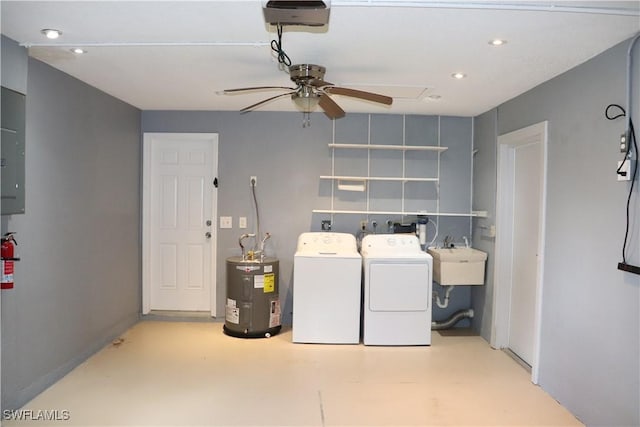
[[403, 200], [390, 147], [366, 212], [377, 178]]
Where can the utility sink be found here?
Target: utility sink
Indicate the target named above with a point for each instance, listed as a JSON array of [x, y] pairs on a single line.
[[458, 266]]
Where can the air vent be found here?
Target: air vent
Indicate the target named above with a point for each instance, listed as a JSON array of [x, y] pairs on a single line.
[[296, 12]]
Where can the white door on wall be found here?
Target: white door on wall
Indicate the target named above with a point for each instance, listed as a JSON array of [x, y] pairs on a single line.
[[179, 227], [519, 254], [526, 219]]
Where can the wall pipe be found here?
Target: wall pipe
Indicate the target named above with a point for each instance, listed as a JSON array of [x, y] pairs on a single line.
[[255, 203], [629, 82], [451, 321]]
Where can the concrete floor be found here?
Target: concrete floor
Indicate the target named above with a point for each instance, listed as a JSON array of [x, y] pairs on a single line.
[[191, 374]]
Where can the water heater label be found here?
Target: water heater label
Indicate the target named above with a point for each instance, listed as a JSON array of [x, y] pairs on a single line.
[[268, 268], [232, 314], [274, 314], [258, 281], [269, 283]]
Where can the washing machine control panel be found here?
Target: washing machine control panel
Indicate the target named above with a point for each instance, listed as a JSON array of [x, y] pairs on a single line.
[[326, 242]]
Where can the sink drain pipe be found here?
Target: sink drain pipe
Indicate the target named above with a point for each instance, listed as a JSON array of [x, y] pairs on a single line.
[[447, 294], [451, 321]]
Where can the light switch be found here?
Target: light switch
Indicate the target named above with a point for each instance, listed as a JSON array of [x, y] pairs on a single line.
[[242, 222], [226, 222]]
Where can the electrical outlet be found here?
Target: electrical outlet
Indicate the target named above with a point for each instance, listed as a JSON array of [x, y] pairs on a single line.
[[253, 181], [226, 222], [623, 143], [363, 224], [242, 222], [325, 225]]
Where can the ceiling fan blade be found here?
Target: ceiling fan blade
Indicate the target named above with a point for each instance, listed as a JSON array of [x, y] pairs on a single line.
[[243, 89], [264, 101], [318, 83], [331, 109], [368, 96]]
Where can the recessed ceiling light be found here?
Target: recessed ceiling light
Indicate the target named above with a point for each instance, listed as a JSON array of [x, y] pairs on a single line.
[[458, 76], [497, 42], [78, 50], [51, 34]]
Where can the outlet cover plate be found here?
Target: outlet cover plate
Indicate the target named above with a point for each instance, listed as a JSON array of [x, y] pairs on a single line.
[[226, 222]]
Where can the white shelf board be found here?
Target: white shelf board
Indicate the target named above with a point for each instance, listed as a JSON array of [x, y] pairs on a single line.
[[357, 212], [390, 147], [377, 178]]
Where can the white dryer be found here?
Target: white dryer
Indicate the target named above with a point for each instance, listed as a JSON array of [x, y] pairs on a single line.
[[327, 286], [397, 290]]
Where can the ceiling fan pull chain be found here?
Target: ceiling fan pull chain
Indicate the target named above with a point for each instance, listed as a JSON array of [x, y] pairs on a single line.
[[306, 119]]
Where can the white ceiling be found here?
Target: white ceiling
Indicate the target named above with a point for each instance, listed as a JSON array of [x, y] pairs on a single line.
[[177, 55]]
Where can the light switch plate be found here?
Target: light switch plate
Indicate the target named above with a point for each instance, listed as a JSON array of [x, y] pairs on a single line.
[[226, 222], [242, 222]]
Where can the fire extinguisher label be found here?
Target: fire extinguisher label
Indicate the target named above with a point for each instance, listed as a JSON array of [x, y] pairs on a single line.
[[7, 271]]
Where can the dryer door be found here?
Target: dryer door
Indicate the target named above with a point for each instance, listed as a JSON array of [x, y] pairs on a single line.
[[401, 286]]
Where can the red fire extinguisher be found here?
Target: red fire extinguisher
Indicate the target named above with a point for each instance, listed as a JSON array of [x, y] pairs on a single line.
[[8, 259]]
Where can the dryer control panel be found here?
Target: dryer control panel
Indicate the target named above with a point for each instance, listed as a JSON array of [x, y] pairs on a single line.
[[395, 243]]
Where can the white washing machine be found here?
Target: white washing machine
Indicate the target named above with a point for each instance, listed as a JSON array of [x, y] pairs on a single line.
[[397, 290], [327, 285]]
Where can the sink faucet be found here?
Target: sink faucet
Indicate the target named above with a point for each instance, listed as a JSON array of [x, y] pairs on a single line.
[[447, 241]]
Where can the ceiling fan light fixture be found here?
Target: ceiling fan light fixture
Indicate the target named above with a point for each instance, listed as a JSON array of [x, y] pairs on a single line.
[[51, 33], [306, 101]]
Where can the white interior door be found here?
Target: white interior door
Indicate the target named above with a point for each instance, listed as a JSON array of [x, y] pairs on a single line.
[[179, 227], [519, 260], [526, 223]]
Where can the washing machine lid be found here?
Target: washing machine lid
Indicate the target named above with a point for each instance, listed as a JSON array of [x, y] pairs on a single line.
[[327, 244], [392, 246]]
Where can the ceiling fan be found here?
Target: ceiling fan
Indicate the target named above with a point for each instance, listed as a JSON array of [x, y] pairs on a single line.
[[311, 90]]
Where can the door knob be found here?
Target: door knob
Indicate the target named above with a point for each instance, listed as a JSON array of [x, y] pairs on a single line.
[[207, 235]]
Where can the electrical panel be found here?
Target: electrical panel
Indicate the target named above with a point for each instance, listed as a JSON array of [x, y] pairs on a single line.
[[12, 151]]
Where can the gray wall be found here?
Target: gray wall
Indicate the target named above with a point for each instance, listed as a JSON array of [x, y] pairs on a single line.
[[288, 160], [484, 199], [590, 344], [78, 283]]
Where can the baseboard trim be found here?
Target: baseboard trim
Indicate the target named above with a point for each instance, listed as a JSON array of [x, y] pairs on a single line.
[[41, 384]]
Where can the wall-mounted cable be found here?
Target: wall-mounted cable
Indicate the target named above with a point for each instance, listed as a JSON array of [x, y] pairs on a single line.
[[631, 151]]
